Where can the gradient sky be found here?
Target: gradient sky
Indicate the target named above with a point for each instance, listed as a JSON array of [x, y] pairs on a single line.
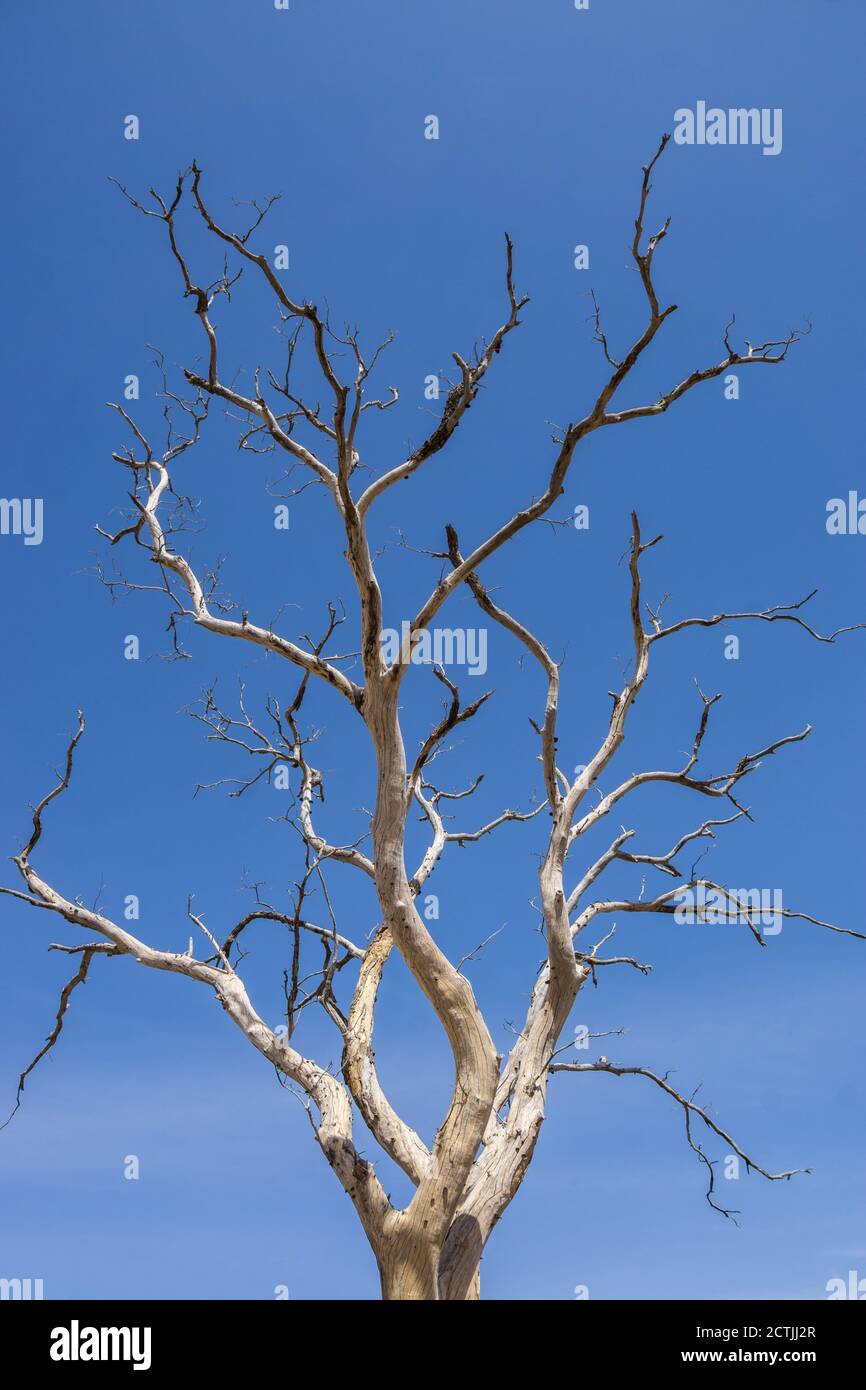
[[546, 117]]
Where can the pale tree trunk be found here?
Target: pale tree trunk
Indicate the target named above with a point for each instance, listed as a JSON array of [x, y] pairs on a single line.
[[411, 1276], [422, 1275], [398, 1286]]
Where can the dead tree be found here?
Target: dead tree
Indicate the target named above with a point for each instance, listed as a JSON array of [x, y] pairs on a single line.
[[464, 1178]]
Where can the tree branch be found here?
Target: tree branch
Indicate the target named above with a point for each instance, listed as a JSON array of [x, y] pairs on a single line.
[[689, 1109]]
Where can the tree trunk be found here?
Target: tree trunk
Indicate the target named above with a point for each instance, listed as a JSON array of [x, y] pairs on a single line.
[[414, 1268], [405, 1282], [410, 1276]]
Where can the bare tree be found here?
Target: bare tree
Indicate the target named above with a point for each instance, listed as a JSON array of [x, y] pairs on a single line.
[[467, 1176]]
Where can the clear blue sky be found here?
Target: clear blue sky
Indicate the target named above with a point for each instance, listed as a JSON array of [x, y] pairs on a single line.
[[546, 116]]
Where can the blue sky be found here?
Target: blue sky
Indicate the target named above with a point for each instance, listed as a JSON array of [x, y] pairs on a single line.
[[546, 115]]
